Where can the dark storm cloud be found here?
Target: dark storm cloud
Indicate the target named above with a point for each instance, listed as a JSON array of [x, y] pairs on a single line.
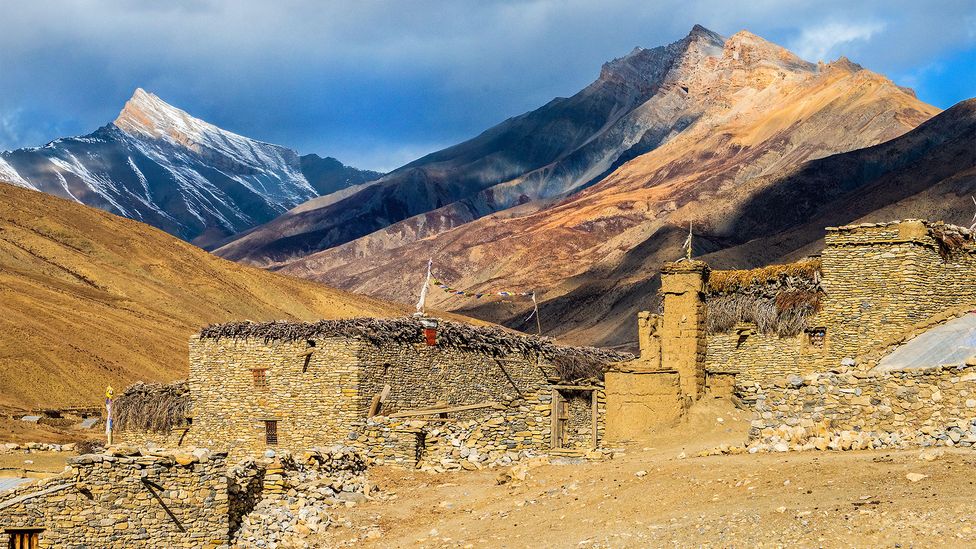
[[380, 83]]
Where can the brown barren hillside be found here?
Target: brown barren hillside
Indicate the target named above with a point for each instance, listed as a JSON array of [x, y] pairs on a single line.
[[89, 299]]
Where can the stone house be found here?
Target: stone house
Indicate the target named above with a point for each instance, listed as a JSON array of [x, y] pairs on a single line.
[[875, 288], [400, 389]]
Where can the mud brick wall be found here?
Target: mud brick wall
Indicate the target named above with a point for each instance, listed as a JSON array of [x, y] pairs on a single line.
[[108, 501], [683, 341], [880, 279], [859, 410], [314, 399]]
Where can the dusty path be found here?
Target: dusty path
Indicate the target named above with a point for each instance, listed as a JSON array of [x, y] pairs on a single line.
[[852, 499]]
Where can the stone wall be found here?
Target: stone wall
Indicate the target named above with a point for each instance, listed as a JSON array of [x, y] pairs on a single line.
[[853, 410], [883, 278], [882, 283], [324, 398], [421, 376], [125, 501], [756, 357], [313, 398]]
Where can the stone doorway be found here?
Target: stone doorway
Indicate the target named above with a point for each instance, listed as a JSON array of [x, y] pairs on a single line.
[[574, 414]]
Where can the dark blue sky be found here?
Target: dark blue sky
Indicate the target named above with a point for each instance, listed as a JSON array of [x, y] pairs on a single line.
[[377, 84]]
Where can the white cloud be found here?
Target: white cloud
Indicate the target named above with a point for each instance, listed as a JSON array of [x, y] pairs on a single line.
[[822, 42]]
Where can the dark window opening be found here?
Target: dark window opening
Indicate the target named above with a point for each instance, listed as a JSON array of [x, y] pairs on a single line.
[[271, 432], [260, 379], [816, 337], [23, 539]]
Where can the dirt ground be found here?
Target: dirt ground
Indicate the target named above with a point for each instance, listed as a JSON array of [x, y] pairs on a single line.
[[651, 496], [59, 432], [33, 464], [810, 499]]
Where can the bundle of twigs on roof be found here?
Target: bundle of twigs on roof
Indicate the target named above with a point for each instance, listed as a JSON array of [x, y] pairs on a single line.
[[950, 238], [778, 299], [488, 340], [573, 368], [152, 407], [803, 273]]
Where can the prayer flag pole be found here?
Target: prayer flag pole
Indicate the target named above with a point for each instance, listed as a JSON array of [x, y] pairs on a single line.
[[108, 409], [421, 303]]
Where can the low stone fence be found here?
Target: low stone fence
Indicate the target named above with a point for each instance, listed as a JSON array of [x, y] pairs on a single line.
[[28, 447], [162, 500], [848, 410]]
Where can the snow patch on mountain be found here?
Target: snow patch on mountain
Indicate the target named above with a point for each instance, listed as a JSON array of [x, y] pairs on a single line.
[[10, 175]]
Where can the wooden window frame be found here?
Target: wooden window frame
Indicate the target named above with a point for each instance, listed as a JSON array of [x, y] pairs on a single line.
[[271, 437], [816, 337], [259, 379]]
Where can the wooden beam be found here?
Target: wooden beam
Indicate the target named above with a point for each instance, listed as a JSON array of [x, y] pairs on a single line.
[[575, 388], [378, 400], [443, 410], [306, 353], [554, 421], [593, 402]]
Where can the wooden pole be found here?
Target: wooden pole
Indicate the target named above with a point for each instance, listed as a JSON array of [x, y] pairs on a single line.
[[109, 428]]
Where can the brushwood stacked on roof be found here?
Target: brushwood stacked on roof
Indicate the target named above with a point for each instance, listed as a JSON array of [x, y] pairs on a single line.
[[152, 407], [571, 362], [778, 299]]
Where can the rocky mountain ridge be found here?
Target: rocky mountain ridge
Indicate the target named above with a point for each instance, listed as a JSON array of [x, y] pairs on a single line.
[[753, 113], [160, 165]]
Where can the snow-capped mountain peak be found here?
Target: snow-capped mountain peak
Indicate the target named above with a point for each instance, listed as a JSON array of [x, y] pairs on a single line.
[[160, 165], [147, 115]]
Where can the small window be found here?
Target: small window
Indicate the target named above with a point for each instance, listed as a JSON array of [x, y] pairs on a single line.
[[271, 432], [23, 539], [260, 379], [816, 337]]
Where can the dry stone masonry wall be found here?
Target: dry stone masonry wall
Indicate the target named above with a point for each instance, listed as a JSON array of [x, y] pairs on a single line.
[[882, 284], [125, 501], [317, 391], [851, 410]]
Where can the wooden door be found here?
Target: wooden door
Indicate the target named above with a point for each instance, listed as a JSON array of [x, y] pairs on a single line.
[[23, 539], [560, 419]]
